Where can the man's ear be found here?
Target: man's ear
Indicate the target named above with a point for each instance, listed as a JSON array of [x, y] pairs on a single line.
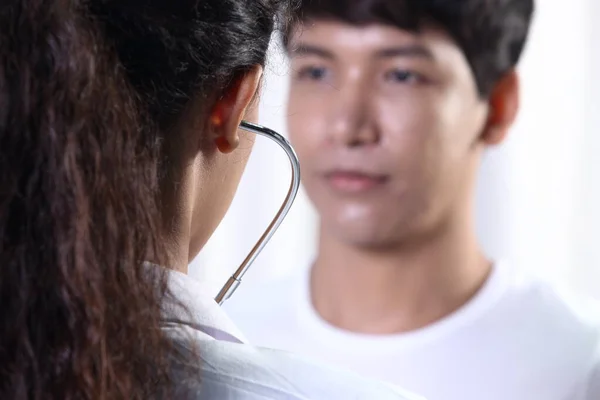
[[503, 108], [229, 110]]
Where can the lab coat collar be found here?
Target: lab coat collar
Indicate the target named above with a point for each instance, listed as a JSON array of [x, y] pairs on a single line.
[[203, 314]]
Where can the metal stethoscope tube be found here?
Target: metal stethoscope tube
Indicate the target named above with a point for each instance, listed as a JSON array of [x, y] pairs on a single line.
[[234, 281]]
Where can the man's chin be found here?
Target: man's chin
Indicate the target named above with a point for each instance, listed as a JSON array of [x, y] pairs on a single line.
[[368, 237]]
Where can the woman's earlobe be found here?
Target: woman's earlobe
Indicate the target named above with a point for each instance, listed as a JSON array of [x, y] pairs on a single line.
[[217, 120], [224, 146]]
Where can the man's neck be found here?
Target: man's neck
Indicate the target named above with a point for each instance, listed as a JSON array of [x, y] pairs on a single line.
[[398, 290]]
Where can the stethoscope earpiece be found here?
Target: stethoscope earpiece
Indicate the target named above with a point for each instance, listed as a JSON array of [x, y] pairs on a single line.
[[234, 281]]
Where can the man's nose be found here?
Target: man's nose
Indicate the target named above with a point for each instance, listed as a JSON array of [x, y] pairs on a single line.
[[352, 123]]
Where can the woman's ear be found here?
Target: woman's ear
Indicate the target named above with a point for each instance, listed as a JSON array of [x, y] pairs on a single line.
[[503, 108], [229, 110]]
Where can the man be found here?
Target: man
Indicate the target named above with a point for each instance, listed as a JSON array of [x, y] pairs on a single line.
[[391, 105]]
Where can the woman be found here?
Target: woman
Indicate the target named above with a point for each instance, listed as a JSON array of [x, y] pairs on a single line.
[[119, 145]]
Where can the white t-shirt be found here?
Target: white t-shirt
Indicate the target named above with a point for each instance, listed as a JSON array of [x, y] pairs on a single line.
[[229, 369], [517, 339]]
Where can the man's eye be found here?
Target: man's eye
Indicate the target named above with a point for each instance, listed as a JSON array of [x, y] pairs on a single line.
[[313, 73], [402, 76]]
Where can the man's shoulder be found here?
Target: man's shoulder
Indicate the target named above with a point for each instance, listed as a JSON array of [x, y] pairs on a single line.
[[551, 305], [553, 328], [589, 386]]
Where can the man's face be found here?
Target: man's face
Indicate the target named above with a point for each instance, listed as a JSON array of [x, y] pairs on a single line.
[[386, 124]]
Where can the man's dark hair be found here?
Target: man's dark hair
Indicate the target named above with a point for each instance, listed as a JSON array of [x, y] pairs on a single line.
[[491, 33]]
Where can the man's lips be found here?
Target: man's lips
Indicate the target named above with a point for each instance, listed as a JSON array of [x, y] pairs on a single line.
[[354, 181]]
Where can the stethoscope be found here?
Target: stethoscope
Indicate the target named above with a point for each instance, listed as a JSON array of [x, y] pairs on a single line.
[[236, 279]]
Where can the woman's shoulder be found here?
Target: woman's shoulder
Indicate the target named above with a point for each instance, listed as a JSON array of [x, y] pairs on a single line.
[[327, 382], [240, 371], [206, 368]]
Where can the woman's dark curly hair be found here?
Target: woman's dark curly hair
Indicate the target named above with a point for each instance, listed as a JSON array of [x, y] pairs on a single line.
[[88, 89]]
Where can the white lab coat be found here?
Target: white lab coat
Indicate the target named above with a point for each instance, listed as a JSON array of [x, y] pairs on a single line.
[[229, 369]]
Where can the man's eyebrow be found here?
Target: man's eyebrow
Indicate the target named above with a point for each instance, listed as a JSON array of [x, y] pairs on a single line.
[[405, 51], [311, 50], [417, 51]]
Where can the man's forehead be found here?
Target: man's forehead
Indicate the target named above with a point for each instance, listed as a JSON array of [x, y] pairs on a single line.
[[330, 39], [326, 31], [377, 40]]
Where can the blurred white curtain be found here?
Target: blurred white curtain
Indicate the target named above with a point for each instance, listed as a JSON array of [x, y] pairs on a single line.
[[538, 197]]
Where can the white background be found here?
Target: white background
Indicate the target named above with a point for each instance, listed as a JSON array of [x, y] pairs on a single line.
[[538, 197]]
